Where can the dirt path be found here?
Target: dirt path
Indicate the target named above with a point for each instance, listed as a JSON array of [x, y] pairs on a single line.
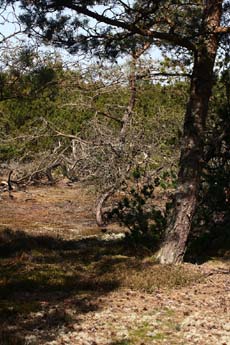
[[58, 290]]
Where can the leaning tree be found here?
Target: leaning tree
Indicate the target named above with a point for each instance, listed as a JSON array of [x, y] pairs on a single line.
[[107, 28]]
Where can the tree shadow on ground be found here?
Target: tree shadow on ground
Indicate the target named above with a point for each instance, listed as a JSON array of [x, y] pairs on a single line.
[[207, 243], [48, 283]]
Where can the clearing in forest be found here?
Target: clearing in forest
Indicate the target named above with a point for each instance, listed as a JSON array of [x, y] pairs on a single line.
[[63, 281]]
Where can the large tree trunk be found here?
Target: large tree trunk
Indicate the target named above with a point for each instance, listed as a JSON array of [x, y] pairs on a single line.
[[185, 200]]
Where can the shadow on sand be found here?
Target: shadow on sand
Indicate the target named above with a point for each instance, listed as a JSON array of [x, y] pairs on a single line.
[[46, 283]]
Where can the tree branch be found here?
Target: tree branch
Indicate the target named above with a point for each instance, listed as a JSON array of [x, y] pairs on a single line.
[[170, 37], [109, 116]]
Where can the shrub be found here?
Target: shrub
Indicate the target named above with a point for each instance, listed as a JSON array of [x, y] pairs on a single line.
[[136, 211]]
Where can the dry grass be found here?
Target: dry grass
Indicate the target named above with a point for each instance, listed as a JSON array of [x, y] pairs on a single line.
[[39, 274], [47, 270], [41, 263]]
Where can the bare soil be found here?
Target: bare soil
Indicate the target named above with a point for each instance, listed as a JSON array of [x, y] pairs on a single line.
[[64, 281]]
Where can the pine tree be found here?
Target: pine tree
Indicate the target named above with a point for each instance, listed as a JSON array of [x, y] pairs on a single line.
[[109, 28]]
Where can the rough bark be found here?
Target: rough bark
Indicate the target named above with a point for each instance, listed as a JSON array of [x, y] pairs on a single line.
[[185, 200]]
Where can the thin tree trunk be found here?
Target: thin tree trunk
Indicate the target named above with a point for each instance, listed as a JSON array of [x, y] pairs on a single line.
[[125, 123], [126, 119], [99, 206], [185, 200], [130, 108]]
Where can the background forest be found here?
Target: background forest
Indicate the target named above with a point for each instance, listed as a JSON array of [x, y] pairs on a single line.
[[116, 127]]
